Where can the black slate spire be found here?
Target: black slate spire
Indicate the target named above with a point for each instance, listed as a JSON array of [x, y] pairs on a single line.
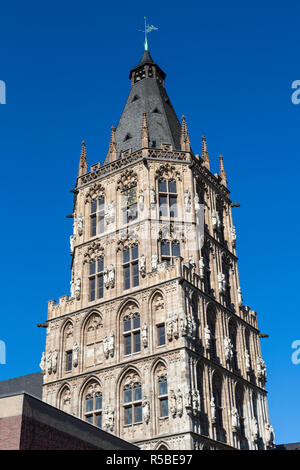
[[147, 95]]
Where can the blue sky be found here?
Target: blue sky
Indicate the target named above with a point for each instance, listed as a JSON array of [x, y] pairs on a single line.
[[229, 69]]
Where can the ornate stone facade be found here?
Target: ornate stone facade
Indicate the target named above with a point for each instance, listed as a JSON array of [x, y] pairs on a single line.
[[154, 344]]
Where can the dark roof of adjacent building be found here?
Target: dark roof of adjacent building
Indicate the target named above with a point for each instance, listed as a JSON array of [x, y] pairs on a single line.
[[148, 95], [31, 384], [291, 446]]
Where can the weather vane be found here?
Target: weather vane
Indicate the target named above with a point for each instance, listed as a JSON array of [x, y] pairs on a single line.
[[148, 29]]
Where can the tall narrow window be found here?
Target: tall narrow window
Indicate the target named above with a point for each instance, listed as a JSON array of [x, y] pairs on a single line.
[[93, 406], [211, 321], [161, 335], [96, 279], [130, 207], [133, 404], [97, 216], [167, 191], [163, 396], [217, 394], [169, 250], [131, 267], [132, 334], [69, 360], [233, 339], [206, 259], [220, 212]]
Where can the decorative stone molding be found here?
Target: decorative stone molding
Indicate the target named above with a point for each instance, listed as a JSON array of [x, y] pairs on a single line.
[[126, 241], [94, 251], [168, 171], [94, 192], [127, 180]]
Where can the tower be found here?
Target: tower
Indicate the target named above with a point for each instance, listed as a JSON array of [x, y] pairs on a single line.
[[154, 344]]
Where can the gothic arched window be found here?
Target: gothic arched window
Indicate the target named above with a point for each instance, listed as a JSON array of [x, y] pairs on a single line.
[[132, 402], [239, 400], [92, 340], [167, 194], [131, 325], [206, 260], [227, 295], [68, 342], [97, 216], [233, 338], [163, 396], [169, 250], [65, 400], [159, 318], [131, 267], [96, 274], [92, 404], [211, 322]]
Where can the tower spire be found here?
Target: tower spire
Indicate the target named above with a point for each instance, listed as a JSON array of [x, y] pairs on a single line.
[[145, 132], [82, 168], [184, 137], [204, 153], [222, 172]]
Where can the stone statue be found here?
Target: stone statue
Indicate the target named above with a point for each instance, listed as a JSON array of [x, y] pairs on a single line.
[[146, 410], [77, 288], [215, 220], [154, 261], [43, 364], [169, 325], [192, 262], [111, 276], [54, 361], [233, 235], [141, 199], [105, 346], [269, 436], [222, 283], [173, 406], [235, 419], [196, 203], [152, 196], [72, 241], [142, 265], [228, 348], [109, 418], [247, 361], [145, 335], [111, 343], [49, 362], [254, 429], [105, 278], [175, 325], [207, 337], [179, 399], [75, 354], [201, 267], [72, 289], [195, 402], [183, 324], [110, 213], [240, 298], [261, 369], [187, 200], [80, 225], [213, 410]]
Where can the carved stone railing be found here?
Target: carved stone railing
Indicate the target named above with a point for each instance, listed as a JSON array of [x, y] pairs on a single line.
[[97, 170]]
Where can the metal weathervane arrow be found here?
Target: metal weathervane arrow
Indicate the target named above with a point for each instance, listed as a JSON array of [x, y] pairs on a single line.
[[148, 29]]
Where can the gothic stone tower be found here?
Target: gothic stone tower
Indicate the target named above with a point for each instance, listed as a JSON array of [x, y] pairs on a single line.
[[154, 343]]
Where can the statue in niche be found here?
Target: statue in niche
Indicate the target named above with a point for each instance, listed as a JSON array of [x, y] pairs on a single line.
[[207, 337], [111, 343], [235, 419], [146, 409], [173, 407], [77, 288], [154, 261], [80, 225], [145, 335], [179, 399], [75, 354], [43, 364], [54, 361], [105, 346]]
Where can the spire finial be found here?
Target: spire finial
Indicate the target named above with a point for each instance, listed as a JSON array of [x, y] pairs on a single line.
[[184, 138], [112, 151], [148, 29], [222, 172], [82, 168], [145, 132], [204, 153]]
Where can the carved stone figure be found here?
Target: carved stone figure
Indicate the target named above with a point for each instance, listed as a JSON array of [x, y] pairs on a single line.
[[72, 289], [43, 364], [196, 203], [105, 346], [72, 241], [49, 362], [222, 283], [141, 199], [179, 400], [213, 410], [54, 361], [240, 298], [195, 402], [187, 200], [109, 418], [228, 348], [142, 265], [111, 343], [169, 325], [175, 325], [247, 361], [261, 370], [233, 235], [80, 225], [111, 276], [105, 278], [201, 267], [66, 400], [254, 429], [192, 262], [173, 406], [75, 354], [183, 324], [146, 410], [235, 419], [207, 337], [154, 261], [77, 288], [152, 196], [145, 335], [269, 436], [215, 220], [110, 213]]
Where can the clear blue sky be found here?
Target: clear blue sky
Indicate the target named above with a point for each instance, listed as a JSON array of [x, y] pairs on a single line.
[[229, 69]]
